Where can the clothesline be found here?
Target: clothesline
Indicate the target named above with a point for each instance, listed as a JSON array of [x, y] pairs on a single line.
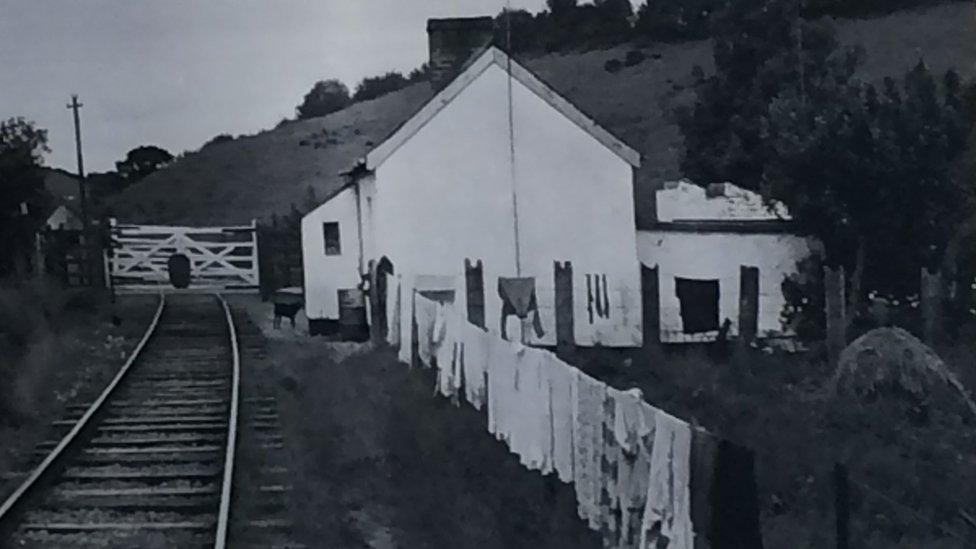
[[639, 473]]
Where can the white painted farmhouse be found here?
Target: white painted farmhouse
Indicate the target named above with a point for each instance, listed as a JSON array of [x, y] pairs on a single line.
[[719, 253], [496, 168]]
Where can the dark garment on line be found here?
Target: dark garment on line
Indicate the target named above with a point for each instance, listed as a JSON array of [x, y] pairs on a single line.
[[734, 500], [589, 298], [704, 450], [597, 294], [699, 304], [518, 298], [606, 298]]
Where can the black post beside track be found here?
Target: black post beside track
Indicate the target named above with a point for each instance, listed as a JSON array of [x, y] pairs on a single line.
[[150, 462]]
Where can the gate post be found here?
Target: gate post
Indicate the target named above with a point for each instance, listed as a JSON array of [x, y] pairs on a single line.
[[748, 304]]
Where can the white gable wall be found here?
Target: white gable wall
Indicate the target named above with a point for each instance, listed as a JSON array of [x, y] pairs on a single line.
[[575, 199], [718, 256], [446, 195], [326, 274]]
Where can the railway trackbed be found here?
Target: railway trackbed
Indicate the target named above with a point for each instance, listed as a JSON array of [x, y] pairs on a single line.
[[150, 462]]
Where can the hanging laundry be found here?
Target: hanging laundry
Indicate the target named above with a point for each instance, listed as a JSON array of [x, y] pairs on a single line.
[[502, 387], [704, 452], [598, 295], [446, 350], [426, 313], [407, 315], [734, 502], [532, 433], [518, 298], [606, 298], [588, 447], [589, 298], [474, 363], [392, 309], [667, 512], [564, 380], [633, 475]]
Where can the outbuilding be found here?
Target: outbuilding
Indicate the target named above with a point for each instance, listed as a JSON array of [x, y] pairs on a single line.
[[501, 176], [718, 253]]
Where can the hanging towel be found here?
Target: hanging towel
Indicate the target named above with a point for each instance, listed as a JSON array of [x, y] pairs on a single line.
[[667, 512], [588, 447], [475, 363], [392, 309], [446, 351], [518, 298], [407, 316], [426, 313], [501, 387], [564, 380], [532, 431], [606, 298]]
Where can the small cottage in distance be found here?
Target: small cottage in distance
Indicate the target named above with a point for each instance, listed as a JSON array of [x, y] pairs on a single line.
[[718, 252]]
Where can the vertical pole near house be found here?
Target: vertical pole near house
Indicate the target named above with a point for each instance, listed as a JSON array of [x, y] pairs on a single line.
[[835, 313], [86, 269], [748, 304], [842, 508]]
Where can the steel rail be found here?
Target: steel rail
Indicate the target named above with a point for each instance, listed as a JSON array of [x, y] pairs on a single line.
[[223, 517], [48, 461]]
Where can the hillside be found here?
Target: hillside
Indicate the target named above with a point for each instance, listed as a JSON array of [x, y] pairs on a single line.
[[255, 176]]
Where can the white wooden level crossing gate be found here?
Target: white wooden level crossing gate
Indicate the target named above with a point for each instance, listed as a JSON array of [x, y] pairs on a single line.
[[221, 259]]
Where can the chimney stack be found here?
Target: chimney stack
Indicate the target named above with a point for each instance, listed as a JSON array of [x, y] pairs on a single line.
[[453, 41]]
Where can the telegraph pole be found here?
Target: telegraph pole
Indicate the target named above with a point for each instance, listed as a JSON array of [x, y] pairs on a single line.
[[82, 194]]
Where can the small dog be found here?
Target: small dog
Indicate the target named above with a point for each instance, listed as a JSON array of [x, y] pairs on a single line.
[[285, 310]]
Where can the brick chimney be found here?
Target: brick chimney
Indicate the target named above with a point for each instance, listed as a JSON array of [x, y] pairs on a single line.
[[453, 41]]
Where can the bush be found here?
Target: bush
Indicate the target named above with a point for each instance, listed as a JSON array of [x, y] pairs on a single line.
[[634, 57], [612, 66], [375, 86]]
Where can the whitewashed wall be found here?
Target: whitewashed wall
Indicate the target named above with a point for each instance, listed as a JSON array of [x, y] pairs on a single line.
[[326, 274], [719, 256], [446, 195]]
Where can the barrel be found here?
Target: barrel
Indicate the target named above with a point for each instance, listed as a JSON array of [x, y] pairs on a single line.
[[352, 315]]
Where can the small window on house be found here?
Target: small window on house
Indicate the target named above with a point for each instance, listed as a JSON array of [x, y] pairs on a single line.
[[331, 233]]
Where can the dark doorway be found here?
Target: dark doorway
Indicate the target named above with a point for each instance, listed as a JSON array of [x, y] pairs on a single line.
[[650, 304], [699, 304]]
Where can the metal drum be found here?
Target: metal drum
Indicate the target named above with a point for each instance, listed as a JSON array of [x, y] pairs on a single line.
[[352, 315]]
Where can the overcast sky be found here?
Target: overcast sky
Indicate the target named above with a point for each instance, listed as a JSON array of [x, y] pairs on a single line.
[[177, 72]]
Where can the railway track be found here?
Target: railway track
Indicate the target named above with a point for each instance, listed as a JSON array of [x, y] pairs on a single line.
[[150, 462]]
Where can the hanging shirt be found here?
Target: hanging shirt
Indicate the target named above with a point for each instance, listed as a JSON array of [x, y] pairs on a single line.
[[633, 475], [407, 315], [475, 363], [518, 298], [588, 447], [667, 512], [564, 380]]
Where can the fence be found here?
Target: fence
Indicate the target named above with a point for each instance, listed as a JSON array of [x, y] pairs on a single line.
[[220, 258]]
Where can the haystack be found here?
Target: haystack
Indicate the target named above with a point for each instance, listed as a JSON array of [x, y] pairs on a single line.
[[888, 362]]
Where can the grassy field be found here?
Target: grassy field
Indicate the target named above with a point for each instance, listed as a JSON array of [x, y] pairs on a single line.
[[57, 347], [255, 176]]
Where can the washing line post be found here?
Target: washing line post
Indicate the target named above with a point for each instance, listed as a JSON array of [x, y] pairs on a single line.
[[842, 509]]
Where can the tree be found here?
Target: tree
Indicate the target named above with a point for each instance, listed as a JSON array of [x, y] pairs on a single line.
[[374, 86], [867, 171], [142, 161], [22, 146], [325, 97], [675, 20]]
